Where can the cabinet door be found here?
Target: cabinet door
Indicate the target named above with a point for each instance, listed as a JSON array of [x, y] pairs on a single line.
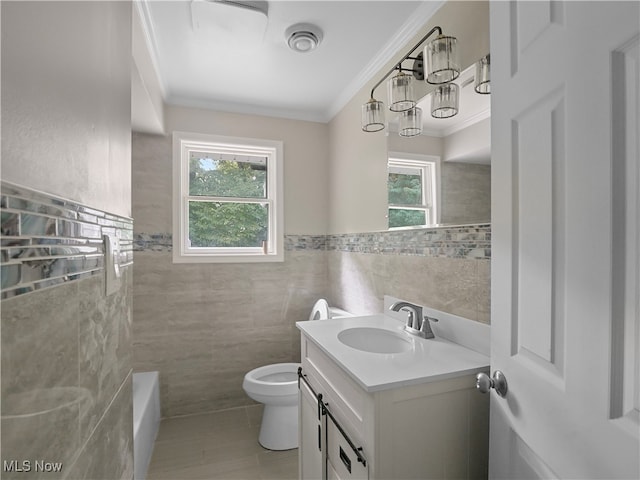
[[331, 472], [311, 435], [342, 462]]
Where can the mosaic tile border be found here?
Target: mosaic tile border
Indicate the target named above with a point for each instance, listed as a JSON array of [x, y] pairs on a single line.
[[468, 241], [163, 242], [47, 240], [152, 242]]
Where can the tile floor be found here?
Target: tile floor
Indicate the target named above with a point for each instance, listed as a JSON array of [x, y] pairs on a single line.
[[218, 446]]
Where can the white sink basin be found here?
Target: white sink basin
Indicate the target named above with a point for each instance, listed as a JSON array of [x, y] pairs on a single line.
[[374, 340]]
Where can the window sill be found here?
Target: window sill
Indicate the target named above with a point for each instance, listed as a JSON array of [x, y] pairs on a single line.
[[226, 258]]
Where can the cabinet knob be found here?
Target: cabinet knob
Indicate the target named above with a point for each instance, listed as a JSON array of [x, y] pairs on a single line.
[[497, 381]]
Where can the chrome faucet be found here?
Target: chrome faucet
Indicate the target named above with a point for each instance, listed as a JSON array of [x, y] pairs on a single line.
[[417, 323]]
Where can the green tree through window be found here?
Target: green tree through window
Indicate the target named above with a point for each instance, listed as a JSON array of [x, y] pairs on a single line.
[[411, 191], [227, 223]]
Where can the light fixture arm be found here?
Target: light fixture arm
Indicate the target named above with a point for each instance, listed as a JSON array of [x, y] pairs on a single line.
[[398, 66]]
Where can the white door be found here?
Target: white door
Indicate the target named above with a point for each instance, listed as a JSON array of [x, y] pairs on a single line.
[[565, 274]]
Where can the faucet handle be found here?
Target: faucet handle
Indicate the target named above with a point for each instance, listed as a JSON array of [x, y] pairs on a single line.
[[410, 317], [426, 328]]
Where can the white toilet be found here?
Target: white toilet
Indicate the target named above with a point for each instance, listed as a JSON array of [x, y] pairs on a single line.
[[277, 387]]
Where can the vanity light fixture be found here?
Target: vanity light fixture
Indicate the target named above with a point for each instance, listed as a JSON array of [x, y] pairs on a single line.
[[373, 116], [442, 64], [444, 101], [483, 75], [410, 122], [400, 90]]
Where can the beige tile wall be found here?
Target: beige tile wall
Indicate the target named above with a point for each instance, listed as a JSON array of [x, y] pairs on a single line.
[[66, 380], [203, 326], [459, 286], [466, 193]]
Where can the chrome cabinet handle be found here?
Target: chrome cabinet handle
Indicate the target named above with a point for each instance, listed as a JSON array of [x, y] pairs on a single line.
[[497, 381]]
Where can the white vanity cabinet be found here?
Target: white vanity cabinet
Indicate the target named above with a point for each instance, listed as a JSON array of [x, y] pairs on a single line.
[[429, 429], [310, 434]]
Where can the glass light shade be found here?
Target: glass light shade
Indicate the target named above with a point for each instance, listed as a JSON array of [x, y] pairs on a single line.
[[400, 90], [441, 57], [410, 122], [444, 101], [483, 75], [373, 116]]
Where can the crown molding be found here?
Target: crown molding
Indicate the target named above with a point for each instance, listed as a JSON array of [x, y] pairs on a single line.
[[472, 120], [142, 7], [306, 115], [408, 30]]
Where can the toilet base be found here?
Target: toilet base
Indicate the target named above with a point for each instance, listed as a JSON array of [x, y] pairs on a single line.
[[279, 428]]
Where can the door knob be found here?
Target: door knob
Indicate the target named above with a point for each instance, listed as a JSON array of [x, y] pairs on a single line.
[[497, 381]]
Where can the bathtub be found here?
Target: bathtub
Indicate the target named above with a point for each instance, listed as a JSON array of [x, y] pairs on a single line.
[[146, 420]]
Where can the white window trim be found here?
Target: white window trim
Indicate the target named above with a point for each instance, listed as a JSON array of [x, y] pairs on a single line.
[[183, 142], [423, 162]]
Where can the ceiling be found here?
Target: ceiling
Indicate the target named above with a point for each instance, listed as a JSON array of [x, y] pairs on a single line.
[[212, 55]]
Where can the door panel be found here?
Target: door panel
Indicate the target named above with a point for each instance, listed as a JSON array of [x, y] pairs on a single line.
[[562, 332]]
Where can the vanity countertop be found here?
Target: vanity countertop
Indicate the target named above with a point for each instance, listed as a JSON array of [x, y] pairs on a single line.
[[429, 360]]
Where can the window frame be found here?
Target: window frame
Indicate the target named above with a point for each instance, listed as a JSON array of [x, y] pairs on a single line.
[[430, 168], [186, 142]]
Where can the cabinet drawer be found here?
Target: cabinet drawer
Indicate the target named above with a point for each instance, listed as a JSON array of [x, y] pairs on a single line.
[[350, 403], [342, 462]]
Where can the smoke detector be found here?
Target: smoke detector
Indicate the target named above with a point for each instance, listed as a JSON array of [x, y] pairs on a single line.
[[303, 37]]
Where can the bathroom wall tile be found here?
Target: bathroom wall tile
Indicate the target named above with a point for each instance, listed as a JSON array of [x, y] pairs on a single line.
[[447, 284], [54, 248], [67, 369], [108, 453], [191, 388], [41, 425], [466, 193], [150, 313], [146, 358], [40, 340], [356, 285], [152, 173], [66, 347], [275, 346], [11, 275], [10, 223], [451, 242], [37, 225], [200, 324], [105, 337], [243, 316], [484, 291]]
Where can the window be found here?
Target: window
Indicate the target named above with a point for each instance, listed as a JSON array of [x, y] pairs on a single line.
[[227, 199], [412, 189]]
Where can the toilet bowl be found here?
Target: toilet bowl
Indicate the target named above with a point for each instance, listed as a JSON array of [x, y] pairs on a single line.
[[276, 386]]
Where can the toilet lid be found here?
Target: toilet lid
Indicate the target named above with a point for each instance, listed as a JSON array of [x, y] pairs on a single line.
[[320, 310]]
